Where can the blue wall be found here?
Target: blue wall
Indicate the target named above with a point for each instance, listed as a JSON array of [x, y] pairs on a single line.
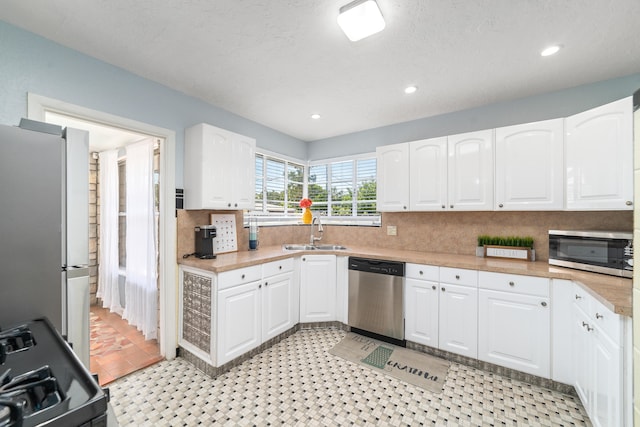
[[540, 107], [30, 63]]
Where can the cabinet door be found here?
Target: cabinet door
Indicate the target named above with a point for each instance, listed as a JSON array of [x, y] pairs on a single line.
[[458, 320], [529, 166], [318, 288], [582, 356], [428, 174], [239, 319], [514, 330], [599, 157], [606, 405], [470, 171], [243, 165], [393, 177], [277, 305], [204, 148], [421, 312]]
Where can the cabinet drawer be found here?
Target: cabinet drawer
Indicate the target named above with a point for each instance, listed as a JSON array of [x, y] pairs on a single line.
[[277, 267], [538, 286], [240, 276], [459, 276], [606, 320], [422, 272]]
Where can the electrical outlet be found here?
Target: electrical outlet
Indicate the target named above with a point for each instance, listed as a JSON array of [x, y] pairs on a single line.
[[392, 230]]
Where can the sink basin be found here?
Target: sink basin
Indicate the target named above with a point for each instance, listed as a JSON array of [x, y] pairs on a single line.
[[298, 247]]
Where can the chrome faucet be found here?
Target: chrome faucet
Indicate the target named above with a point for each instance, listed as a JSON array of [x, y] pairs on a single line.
[[313, 239]]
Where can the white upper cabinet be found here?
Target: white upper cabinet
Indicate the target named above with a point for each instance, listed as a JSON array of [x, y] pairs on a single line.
[[393, 177], [428, 174], [470, 171], [599, 158], [529, 166], [219, 169]]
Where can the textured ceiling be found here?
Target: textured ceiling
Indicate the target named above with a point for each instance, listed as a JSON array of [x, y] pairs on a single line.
[[278, 61]]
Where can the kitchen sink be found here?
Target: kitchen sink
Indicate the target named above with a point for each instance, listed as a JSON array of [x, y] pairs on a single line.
[[298, 247]]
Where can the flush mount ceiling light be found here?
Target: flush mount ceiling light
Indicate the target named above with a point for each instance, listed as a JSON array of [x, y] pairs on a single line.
[[550, 50], [315, 116], [410, 89], [360, 19]]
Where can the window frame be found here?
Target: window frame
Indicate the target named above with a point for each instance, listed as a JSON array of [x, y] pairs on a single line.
[[276, 219]]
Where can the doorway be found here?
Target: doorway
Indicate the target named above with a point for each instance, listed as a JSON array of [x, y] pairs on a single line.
[[38, 105], [117, 346]]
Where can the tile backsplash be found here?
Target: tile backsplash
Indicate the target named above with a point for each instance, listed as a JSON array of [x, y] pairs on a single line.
[[447, 232]]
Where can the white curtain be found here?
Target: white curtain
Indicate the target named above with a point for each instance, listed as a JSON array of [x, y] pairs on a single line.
[[108, 263], [141, 282]]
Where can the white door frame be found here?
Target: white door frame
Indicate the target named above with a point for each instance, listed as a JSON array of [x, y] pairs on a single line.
[[37, 106]]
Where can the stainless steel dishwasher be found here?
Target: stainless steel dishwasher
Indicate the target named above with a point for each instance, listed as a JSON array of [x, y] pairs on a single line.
[[376, 306]]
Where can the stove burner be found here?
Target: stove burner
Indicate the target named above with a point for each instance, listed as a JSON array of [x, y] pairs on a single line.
[[15, 340], [26, 395]]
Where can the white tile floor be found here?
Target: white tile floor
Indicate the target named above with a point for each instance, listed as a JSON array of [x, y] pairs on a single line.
[[297, 382]]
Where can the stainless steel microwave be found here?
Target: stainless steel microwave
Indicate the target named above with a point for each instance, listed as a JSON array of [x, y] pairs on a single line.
[[608, 252]]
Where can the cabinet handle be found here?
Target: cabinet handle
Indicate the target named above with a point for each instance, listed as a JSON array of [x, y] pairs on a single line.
[[511, 284], [280, 268], [235, 205], [242, 276], [578, 296], [433, 287], [266, 283], [457, 277], [443, 289], [420, 272], [304, 259], [228, 205], [259, 286], [500, 205], [444, 207], [451, 206], [629, 203], [586, 325], [404, 207], [599, 316], [543, 303]]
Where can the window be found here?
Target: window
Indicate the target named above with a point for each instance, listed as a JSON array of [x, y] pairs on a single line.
[[345, 188], [343, 191], [279, 186]]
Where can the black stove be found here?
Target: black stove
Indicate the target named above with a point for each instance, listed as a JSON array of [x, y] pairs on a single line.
[[43, 383]]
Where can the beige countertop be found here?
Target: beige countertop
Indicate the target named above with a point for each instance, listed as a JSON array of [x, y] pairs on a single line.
[[614, 292]]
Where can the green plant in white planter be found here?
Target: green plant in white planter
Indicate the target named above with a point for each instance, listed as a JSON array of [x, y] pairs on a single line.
[[500, 246]]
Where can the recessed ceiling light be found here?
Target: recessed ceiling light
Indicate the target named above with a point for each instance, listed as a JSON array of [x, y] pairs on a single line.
[[410, 89], [550, 50], [360, 19], [315, 116]]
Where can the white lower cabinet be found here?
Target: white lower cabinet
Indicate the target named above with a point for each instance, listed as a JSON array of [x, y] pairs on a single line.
[[458, 311], [239, 321], [422, 293], [224, 315], [600, 375], [514, 322], [317, 288], [458, 320], [277, 305]]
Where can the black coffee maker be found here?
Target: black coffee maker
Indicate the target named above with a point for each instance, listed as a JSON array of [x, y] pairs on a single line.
[[204, 241]]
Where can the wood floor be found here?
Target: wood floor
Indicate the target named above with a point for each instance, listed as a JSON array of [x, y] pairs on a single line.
[[117, 348]]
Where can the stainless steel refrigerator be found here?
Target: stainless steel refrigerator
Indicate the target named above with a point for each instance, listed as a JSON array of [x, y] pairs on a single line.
[[44, 229]]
